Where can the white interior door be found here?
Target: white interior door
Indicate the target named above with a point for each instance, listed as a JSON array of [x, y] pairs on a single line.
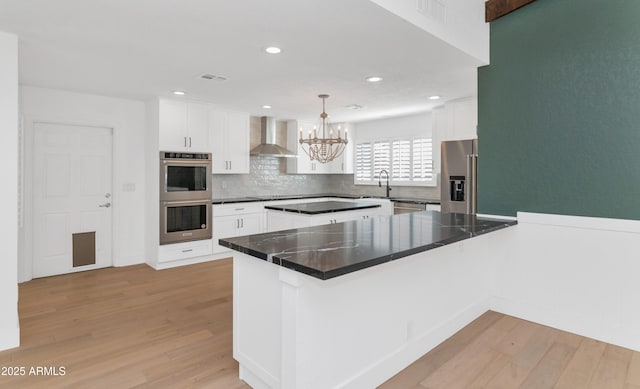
[[71, 198]]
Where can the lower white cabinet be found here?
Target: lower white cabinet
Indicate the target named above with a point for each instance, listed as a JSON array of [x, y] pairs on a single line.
[[433, 207], [280, 220], [185, 250], [236, 220]]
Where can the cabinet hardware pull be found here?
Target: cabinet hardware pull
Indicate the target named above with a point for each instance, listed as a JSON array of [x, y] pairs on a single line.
[[239, 209], [241, 223], [230, 168], [189, 141], [187, 250], [185, 141]]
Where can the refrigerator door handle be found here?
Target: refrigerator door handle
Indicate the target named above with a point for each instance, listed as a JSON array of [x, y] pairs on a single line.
[[472, 173]]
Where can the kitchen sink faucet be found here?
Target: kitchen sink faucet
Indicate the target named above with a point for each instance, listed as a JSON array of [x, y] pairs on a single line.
[[380, 183]]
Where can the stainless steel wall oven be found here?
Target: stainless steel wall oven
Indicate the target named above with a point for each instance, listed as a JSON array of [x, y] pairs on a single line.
[[185, 176], [185, 220], [185, 197]]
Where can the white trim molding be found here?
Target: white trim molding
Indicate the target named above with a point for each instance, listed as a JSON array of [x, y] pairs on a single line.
[[578, 274]]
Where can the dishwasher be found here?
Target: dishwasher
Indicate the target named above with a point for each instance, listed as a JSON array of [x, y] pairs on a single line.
[[400, 207]]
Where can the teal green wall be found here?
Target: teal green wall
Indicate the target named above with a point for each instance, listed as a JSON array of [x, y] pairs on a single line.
[[559, 111]]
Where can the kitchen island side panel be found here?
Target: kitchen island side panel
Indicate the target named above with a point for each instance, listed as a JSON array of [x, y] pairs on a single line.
[[357, 330]]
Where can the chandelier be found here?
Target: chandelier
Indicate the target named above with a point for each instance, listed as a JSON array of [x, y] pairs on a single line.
[[324, 149]]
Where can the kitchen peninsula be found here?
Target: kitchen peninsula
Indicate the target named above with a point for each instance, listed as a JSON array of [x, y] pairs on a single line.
[[349, 304]]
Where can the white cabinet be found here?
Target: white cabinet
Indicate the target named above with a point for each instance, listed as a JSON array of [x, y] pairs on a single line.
[[229, 141], [456, 120], [302, 164], [236, 220], [281, 220], [201, 127], [177, 251], [183, 126], [433, 207], [344, 163]]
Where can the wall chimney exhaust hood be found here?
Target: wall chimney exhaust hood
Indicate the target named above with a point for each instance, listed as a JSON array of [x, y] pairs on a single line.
[[268, 146]]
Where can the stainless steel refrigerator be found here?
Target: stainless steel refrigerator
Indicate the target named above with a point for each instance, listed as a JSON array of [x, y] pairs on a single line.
[[458, 179]]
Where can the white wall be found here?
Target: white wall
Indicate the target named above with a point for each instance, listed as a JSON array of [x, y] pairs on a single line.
[[9, 325], [127, 117], [410, 125], [457, 22], [578, 274]]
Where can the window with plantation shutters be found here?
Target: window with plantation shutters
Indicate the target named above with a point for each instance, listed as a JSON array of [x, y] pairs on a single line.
[[401, 160], [422, 160], [408, 161], [381, 157], [364, 158]]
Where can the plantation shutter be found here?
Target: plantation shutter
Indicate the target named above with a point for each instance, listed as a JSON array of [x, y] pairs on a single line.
[[381, 157], [422, 160], [363, 169], [401, 160]]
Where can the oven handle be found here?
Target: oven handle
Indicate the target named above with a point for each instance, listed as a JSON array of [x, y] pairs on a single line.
[[188, 161], [205, 202]]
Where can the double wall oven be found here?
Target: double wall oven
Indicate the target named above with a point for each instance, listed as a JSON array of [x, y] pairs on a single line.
[[185, 196]]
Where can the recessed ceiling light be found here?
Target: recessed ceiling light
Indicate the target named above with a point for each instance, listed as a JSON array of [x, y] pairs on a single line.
[[354, 106], [178, 92], [266, 106], [374, 79], [434, 97], [273, 50]]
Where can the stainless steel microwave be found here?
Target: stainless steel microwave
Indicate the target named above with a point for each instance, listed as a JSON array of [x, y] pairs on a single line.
[[185, 220], [185, 176]]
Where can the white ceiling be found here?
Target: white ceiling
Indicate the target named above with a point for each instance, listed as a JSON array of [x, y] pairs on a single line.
[[139, 49]]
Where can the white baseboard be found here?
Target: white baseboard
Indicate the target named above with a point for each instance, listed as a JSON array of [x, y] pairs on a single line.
[[190, 261]]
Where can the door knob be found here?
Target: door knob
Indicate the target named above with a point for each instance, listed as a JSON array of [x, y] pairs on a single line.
[[105, 205]]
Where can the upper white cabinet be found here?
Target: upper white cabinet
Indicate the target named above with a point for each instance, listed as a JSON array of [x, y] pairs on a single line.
[[303, 165], [456, 120], [202, 127], [344, 163], [229, 141], [183, 126]]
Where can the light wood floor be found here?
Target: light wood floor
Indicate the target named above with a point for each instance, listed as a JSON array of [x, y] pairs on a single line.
[[499, 351], [128, 327], [135, 327]]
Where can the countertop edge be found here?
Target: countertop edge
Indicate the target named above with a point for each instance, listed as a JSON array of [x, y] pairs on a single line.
[[317, 196], [326, 275], [305, 212]]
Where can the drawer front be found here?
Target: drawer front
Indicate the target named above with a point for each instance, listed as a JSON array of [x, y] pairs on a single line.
[[173, 252], [237, 209]]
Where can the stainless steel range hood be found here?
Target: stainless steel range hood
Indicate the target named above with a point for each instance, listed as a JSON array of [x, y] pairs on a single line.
[[268, 146]]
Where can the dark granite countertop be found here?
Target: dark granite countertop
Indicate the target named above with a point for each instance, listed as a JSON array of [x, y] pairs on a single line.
[[332, 250], [322, 207], [320, 195]]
